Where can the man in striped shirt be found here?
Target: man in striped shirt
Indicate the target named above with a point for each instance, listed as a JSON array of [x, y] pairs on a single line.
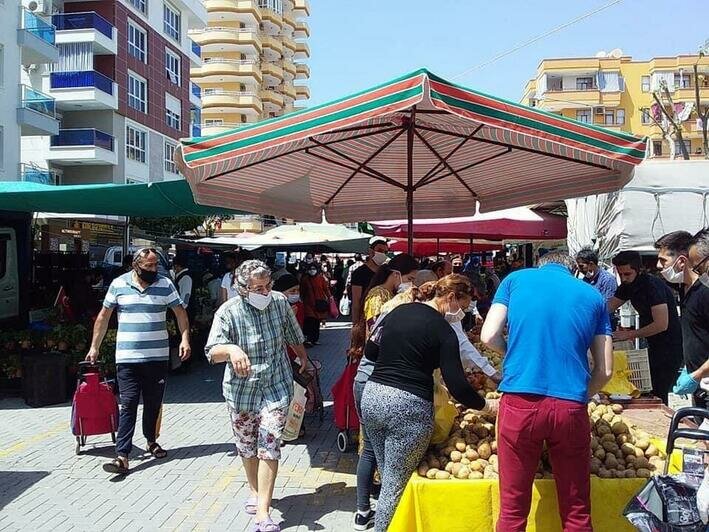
[[142, 297]]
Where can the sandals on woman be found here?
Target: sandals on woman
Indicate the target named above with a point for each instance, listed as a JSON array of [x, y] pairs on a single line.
[[156, 450], [116, 466], [251, 505], [267, 525]]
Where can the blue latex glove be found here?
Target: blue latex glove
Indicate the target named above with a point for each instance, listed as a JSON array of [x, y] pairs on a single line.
[[686, 384]]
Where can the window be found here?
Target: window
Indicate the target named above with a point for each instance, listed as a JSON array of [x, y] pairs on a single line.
[[137, 40], [609, 118], [619, 117], [173, 112], [139, 5], [136, 144], [687, 144], [172, 67], [213, 122], [2, 147], [657, 148], [584, 115], [584, 84], [645, 83], [274, 5], [2, 65], [137, 93], [645, 118], [171, 21], [170, 157], [683, 81]]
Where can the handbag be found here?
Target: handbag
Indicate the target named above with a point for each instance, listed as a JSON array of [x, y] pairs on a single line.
[[296, 411], [345, 305], [334, 311], [322, 305]]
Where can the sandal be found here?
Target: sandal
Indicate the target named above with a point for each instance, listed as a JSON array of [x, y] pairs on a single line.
[[156, 450], [251, 505], [116, 466], [267, 525]]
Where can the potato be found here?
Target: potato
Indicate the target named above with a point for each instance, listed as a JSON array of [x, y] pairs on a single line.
[[446, 451], [619, 428], [470, 417], [485, 451], [604, 473], [603, 429], [472, 438], [461, 445], [608, 416], [481, 431], [491, 473], [592, 406], [431, 473], [625, 438], [493, 460], [443, 475], [422, 470], [477, 465], [610, 446], [651, 451], [434, 462], [611, 461], [619, 455], [643, 473], [600, 454], [617, 409], [642, 443], [471, 454], [476, 475], [455, 468], [607, 438], [595, 466], [456, 456], [465, 461], [630, 473], [538, 476], [449, 467], [630, 459], [627, 449], [642, 463], [463, 473], [594, 444], [493, 446], [639, 452]]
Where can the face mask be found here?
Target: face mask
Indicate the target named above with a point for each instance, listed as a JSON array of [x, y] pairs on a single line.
[[671, 275], [308, 260], [457, 269], [147, 276], [455, 317], [379, 258], [293, 298], [589, 275], [312, 273], [260, 301]]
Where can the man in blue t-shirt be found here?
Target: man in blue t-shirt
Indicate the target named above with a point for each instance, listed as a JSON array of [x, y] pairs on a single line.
[[553, 319]]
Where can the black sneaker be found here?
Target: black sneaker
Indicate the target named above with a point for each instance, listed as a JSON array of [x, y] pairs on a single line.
[[364, 522]]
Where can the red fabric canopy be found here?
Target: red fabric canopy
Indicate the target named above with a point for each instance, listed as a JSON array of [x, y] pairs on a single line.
[[428, 247], [510, 224]]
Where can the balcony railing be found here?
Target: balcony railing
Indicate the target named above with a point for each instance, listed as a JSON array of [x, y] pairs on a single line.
[[196, 49], [35, 174], [83, 21], [230, 125], [82, 137], [196, 90], [35, 25], [81, 79], [208, 60], [222, 92], [214, 29], [38, 101]]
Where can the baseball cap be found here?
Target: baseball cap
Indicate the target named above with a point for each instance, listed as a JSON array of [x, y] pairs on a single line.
[[377, 240]]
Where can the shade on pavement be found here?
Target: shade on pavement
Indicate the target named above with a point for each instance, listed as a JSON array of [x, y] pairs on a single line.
[[162, 199], [415, 146]]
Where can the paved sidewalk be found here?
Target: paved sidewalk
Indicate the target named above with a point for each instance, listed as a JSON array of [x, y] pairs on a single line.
[[200, 486]]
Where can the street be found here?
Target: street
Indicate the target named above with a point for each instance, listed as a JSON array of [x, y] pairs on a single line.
[[199, 486]]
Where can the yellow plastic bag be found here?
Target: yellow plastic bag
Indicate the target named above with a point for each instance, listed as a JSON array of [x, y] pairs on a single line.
[[444, 413], [620, 381]]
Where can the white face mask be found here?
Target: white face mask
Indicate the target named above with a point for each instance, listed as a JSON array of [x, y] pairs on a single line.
[[379, 258], [671, 275], [260, 301], [293, 298], [455, 317], [589, 275]]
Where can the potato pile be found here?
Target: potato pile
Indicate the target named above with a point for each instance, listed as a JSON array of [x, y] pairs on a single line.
[[618, 450], [494, 357]]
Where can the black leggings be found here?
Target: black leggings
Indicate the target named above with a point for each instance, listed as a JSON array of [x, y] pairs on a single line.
[[311, 329], [367, 464]]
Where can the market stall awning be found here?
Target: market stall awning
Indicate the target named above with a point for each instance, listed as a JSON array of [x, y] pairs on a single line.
[[303, 236], [427, 247], [166, 198], [509, 224], [415, 146]]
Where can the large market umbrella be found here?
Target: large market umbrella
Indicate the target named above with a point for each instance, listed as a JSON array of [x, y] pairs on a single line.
[[426, 247], [417, 144], [519, 223]]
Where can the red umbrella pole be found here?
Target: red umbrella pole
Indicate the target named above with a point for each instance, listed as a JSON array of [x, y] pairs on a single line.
[[410, 179]]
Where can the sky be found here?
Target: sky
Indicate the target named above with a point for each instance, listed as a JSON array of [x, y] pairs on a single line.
[[356, 44]]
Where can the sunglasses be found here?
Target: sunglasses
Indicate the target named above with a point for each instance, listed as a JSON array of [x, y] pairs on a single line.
[[701, 263]]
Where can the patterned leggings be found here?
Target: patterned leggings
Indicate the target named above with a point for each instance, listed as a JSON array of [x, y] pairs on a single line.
[[399, 425], [258, 434]]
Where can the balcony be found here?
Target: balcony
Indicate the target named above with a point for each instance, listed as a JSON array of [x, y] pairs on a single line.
[[289, 69], [272, 101], [244, 11], [302, 92], [302, 30], [230, 101], [302, 51], [272, 21], [214, 127], [86, 27], [82, 146], [289, 21], [290, 44], [36, 38], [195, 54], [223, 70], [272, 48], [301, 8], [195, 95], [288, 89], [34, 174], [686, 94], [83, 90], [36, 114], [223, 39], [272, 73], [302, 71], [194, 13]]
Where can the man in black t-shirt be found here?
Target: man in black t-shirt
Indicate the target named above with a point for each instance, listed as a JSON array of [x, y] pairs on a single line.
[[362, 276], [659, 323]]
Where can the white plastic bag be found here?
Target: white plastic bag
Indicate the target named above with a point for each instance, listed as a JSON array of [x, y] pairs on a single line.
[[703, 499], [345, 305], [296, 410]]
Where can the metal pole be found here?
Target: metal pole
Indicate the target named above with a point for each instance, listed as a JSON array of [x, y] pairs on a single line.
[[438, 246], [126, 237], [410, 179]]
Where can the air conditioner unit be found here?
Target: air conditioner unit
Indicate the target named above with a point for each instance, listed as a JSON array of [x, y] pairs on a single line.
[[599, 110], [41, 7]]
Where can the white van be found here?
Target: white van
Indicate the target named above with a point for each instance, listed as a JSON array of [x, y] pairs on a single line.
[[9, 278]]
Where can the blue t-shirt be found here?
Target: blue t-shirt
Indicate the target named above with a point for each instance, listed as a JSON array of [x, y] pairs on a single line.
[[552, 318]]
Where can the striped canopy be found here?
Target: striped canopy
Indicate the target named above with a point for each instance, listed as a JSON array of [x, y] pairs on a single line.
[[415, 145]]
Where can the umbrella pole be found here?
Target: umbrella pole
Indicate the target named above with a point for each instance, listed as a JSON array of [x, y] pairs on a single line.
[[410, 180]]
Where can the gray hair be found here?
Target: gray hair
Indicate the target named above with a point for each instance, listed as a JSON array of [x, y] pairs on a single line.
[[701, 242], [249, 269], [557, 257], [144, 253], [424, 276]]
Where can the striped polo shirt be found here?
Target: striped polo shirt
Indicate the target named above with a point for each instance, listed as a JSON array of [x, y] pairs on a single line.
[[142, 330]]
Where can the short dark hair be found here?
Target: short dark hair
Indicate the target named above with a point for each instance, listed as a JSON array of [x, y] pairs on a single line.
[[701, 241], [628, 258], [677, 242], [403, 263], [439, 264], [180, 260], [587, 255]]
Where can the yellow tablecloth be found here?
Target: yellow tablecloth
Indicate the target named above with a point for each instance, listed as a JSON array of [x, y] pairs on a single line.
[[473, 505]]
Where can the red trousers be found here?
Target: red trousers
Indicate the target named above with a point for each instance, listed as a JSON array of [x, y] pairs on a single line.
[[524, 423]]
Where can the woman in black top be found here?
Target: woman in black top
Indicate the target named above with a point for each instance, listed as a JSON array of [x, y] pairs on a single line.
[[397, 404]]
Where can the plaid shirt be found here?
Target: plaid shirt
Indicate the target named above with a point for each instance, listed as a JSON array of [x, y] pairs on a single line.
[[263, 335]]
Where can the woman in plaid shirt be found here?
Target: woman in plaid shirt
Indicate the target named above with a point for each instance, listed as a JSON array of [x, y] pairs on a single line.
[[251, 332]]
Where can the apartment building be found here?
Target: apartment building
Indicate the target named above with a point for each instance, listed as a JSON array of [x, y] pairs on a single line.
[[616, 92], [120, 86], [253, 54]]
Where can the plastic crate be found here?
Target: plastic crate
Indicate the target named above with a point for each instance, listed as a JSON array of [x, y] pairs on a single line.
[[639, 366]]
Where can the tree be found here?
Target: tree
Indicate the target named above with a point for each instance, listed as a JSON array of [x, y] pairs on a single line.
[[702, 112], [178, 225], [673, 129]]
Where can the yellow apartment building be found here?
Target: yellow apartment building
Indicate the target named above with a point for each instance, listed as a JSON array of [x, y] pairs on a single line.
[[253, 54], [615, 91]]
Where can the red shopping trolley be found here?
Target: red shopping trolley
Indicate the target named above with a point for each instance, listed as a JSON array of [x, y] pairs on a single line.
[[346, 418]]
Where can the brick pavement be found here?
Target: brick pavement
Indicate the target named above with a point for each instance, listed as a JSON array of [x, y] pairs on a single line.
[[200, 486]]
